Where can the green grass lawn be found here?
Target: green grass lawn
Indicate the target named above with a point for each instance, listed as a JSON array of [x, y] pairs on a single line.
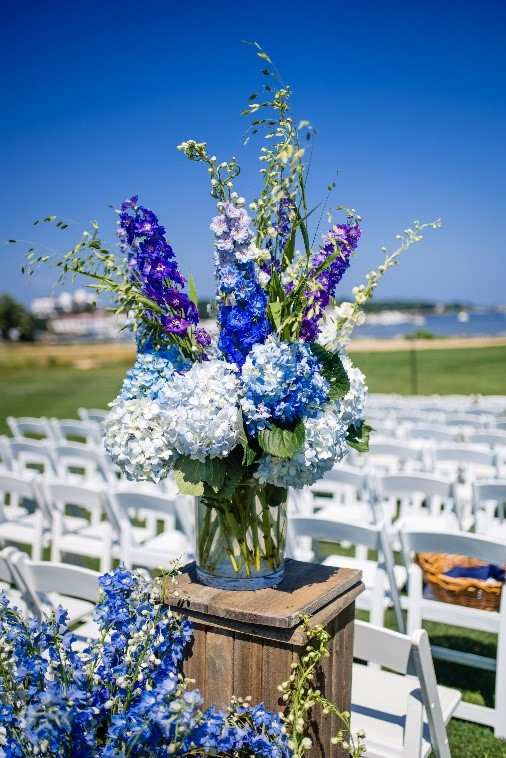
[[59, 390], [443, 372]]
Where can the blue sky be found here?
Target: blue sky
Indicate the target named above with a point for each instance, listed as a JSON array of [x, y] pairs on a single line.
[[408, 100]]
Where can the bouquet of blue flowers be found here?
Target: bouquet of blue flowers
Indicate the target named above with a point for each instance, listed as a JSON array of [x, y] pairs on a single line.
[[270, 402], [123, 695]]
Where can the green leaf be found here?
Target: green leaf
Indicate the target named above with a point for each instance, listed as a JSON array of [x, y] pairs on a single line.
[[332, 370], [234, 472], [282, 443], [187, 488], [358, 437], [248, 452], [192, 290], [264, 56], [50, 218], [275, 312], [210, 472]]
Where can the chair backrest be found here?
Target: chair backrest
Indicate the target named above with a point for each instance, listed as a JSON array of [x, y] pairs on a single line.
[[30, 426], [492, 438], [75, 459], [30, 455], [58, 494], [75, 430], [92, 414], [490, 495], [42, 577], [370, 536], [407, 655], [391, 457], [344, 485], [433, 432], [22, 487], [413, 490]]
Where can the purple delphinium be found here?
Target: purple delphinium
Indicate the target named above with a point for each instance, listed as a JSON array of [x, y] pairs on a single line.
[[155, 270], [242, 303], [344, 239]]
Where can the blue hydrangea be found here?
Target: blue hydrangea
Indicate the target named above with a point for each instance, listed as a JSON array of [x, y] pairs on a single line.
[[150, 372], [325, 438], [281, 383]]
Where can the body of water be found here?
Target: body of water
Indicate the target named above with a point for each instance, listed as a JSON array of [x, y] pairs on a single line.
[[464, 324]]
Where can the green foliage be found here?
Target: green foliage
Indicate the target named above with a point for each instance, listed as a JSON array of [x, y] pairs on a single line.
[[16, 322], [358, 437], [282, 443], [332, 370]]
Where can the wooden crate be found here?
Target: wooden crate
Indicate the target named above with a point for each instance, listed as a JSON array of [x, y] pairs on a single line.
[[245, 642]]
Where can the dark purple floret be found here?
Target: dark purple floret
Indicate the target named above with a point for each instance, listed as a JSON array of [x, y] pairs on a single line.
[[155, 270], [342, 239]]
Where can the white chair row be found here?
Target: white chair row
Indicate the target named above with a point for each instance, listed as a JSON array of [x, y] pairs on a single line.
[[384, 581], [39, 587], [95, 521], [59, 430]]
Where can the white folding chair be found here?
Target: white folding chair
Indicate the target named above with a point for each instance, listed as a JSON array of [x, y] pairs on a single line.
[[489, 507], [421, 606], [9, 583], [139, 546], [382, 578], [402, 711], [47, 585], [24, 519], [431, 432], [78, 462], [343, 493], [29, 456], [419, 497], [92, 414], [387, 457], [79, 523], [76, 430], [30, 427]]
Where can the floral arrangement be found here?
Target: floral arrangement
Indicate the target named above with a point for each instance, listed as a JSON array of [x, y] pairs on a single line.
[[123, 695], [274, 401]]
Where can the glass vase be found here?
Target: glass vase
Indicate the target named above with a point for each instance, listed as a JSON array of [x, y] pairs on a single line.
[[241, 541]]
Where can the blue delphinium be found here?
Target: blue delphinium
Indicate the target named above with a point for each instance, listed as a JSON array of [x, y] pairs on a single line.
[[281, 383], [155, 271], [123, 695], [242, 302]]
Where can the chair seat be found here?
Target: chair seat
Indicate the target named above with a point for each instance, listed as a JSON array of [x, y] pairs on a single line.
[[368, 569], [77, 608], [383, 696], [87, 541], [160, 550]]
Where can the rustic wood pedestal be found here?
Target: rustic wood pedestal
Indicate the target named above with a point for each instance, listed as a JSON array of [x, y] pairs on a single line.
[[245, 642]]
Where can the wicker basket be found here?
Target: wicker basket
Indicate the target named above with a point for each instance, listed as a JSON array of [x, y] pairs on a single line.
[[473, 593]]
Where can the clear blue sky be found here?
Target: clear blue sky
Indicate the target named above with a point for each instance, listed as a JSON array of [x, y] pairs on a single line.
[[408, 99]]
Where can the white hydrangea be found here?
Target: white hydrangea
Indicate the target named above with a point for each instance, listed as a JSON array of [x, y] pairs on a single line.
[[324, 445], [201, 410], [135, 439], [351, 406]]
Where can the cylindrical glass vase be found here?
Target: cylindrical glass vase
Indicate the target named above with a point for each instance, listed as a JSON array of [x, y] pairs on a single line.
[[241, 541]]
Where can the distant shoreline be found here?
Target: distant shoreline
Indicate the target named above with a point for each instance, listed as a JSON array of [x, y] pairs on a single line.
[[368, 345]]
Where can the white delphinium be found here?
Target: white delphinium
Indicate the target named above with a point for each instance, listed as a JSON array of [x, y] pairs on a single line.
[[201, 410], [338, 324]]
